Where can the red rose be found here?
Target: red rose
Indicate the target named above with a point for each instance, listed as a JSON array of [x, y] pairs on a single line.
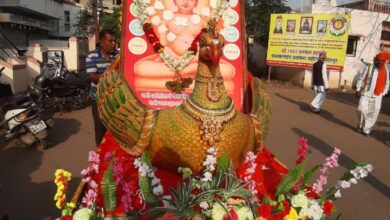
[[328, 207], [66, 217], [265, 211]]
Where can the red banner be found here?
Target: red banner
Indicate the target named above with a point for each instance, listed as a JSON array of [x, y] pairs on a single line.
[[177, 22]]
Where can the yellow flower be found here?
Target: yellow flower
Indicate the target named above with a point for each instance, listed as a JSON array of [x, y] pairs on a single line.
[[293, 215], [71, 205]]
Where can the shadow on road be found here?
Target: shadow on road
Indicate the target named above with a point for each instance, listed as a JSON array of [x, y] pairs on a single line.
[[62, 130], [325, 114], [346, 98], [344, 160]]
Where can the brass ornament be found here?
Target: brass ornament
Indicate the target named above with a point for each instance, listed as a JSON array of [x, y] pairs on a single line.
[[213, 93], [211, 121]]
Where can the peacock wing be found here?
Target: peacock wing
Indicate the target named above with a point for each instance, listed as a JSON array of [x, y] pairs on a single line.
[[261, 109], [119, 109]]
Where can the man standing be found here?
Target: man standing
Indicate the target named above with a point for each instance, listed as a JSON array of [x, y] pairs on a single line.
[[320, 83], [96, 63], [372, 85]]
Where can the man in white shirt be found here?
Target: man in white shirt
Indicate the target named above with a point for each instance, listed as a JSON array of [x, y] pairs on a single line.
[[372, 85], [320, 83]]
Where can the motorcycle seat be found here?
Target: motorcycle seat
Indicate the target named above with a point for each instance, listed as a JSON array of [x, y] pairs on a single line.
[[16, 103]]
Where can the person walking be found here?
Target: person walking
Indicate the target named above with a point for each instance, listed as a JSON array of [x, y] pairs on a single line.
[[320, 83], [372, 85], [96, 63]]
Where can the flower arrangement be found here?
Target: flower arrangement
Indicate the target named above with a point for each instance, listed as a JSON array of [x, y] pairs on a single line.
[[122, 186]]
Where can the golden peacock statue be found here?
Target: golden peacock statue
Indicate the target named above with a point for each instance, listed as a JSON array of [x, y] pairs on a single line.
[[180, 136]]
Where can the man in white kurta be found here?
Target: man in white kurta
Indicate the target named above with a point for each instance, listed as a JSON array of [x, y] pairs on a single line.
[[320, 83], [373, 84]]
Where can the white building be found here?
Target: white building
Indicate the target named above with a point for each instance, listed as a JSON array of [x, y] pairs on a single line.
[[30, 27], [369, 34]]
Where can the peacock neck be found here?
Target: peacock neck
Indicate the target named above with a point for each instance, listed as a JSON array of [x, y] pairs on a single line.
[[201, 93]]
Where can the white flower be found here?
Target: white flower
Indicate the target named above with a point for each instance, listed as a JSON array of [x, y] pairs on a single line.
[[155, 181], [212, 150], [165, 202], [150, 11], [344, 184], [353, 180], [156, 20], [315, 211], [143, 170], [369, 168], [299, 200], [158, 190], [244, 213], [337, 194], [168, 15], [83, 214], [207, 176], [204, 205]]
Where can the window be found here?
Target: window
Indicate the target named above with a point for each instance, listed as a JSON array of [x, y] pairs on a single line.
[[66, 21], [352, 45], [67, 27], [67, 16]]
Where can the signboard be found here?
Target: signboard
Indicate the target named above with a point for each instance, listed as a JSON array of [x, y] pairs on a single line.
[[295, 40], [177, 23]]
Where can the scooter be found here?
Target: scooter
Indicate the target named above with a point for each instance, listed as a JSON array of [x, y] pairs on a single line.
[[23, 120], [5, 88]]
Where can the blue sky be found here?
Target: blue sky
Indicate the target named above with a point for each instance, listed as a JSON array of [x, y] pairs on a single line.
[[297, 3]]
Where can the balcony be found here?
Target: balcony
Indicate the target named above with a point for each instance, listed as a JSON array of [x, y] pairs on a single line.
[[40, 9]]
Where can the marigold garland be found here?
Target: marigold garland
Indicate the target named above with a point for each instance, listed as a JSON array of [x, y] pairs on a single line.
[[62, 179]]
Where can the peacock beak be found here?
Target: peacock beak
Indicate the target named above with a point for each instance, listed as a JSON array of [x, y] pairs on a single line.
[[214, 52]]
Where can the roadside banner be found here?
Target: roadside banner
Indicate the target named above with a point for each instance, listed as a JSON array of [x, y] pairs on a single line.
[[295, 40]]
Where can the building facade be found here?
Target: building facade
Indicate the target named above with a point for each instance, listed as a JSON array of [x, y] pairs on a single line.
[[22, 21]]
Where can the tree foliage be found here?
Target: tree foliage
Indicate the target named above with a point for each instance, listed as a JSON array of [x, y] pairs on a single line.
[[258, 14], [85, 26]]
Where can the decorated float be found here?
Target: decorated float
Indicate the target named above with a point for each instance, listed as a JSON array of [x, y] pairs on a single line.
[[204, 158]]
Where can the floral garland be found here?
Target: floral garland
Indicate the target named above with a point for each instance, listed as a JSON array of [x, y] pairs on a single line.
[[177, 66], [250, 171]]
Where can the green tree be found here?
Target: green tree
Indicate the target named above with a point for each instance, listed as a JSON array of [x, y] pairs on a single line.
[[85, 25], [258, 14], [111, 21]]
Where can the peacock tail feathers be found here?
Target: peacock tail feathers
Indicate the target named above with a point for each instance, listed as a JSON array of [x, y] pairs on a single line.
[[261, 109], [119, 109]]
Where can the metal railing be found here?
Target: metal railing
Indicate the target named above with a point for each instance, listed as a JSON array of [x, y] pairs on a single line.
[[8, 49]]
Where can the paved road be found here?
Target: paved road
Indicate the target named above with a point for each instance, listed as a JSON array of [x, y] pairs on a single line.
[[26, 175]]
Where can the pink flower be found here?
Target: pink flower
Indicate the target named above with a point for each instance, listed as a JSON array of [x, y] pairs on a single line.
[[89, 198], [93, 157], [330, 162], [302, 151]]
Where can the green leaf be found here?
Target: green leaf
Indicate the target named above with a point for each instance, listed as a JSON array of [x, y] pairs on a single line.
[[223, 163], [290, 179], [109, 189], [145, 182], [308, 175]]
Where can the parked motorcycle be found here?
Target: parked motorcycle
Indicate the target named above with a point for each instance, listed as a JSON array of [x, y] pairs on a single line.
[[66, 93], [23, 119]]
